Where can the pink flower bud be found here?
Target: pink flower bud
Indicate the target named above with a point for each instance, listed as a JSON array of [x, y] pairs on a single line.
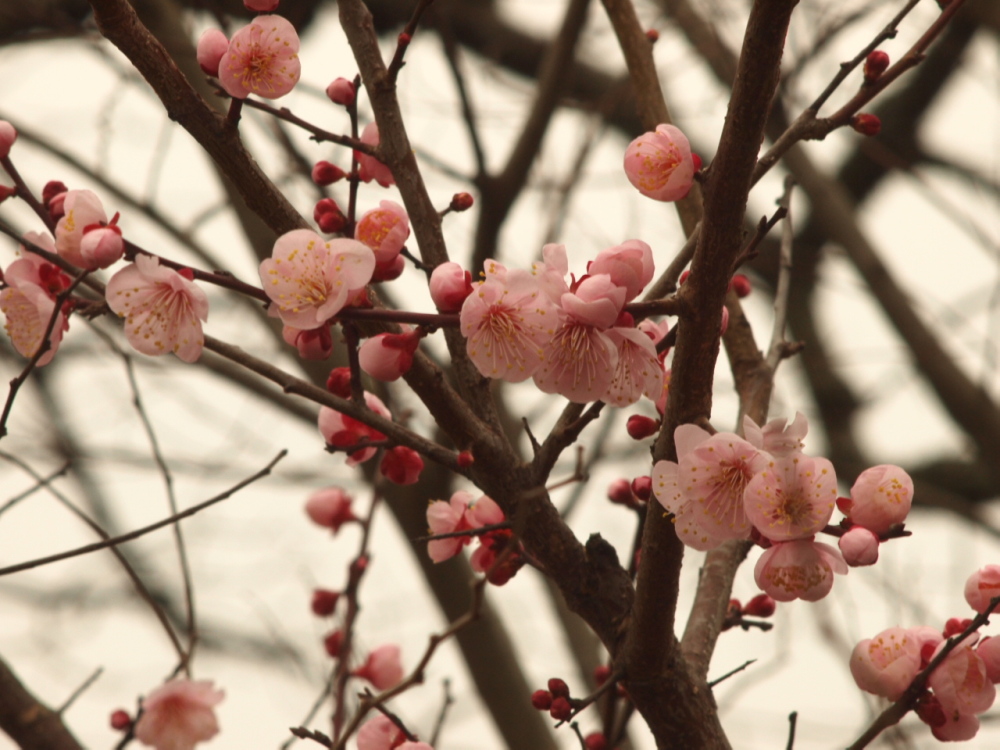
[[120, 720], [8, 134], [57, 205], [315, 345], [324, 173], [450, 284], [859, 546], [212, 47], [330, 507], [982, 586], [402, 465], [761, 605], [370, 168], [659, 164], [875, 65], [989, 651], [541, 699], [341, 92], [100, 245], [642, 487], [339, 382], [6, 192], [261, 6], [640, 427], [387, 356], [382, 668], [465, 459], [384, 230], [620, 493], [324, 602], [881, 497], [740, 284], [332, 643], [866, 124], [461, 202], [955, 625]]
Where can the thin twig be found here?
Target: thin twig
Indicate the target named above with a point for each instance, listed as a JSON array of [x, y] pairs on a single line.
[[79, 691], [39, 484], [776, 351], [730, 673]]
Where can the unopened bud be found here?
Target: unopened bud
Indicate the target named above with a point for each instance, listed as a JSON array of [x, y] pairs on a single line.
[[640, 427], [875, 65], [683, 277], [465, 459], [560, 709], [120, 720], [404, 39], [324, 173], [558, 687], [602, 673], [761, 605], [339, 382], [461, 202], [642, 487], [653, 35], [333, 642], [956, 625], [620, 492], [341, 92], [866, 124], [541, 699], [51, 190], [596, 741], [324, 602], [740, 284], [261, 6]]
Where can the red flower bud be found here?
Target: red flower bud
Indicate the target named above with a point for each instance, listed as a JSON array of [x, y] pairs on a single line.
[[324, 173], [697, 162], [955, 625], [875, 65], [324, 602], [596, 741], [641, 427], [461, 202], [120, 720], [560, 709], [740, 284], [760, 606], [642, 487], [866, 124], [620, 492], [6, 192], [930, 711], [339, 382], [465, 459], [51, 190], [333, 642], [601, 674], [683, 277], [558, 688], [653, 36], [331, 222], [541, 699]]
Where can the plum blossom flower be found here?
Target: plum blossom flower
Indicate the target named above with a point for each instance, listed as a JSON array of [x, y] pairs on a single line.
[[382, 668], [886, 664], [982, 586], [777, 437], [82, 209], [384, 230], [102, 245], [379, 734], [450, 284], [341, 91], [163, 309], [212, 47], [800, 569], [659, 164], [315, 345], [342, 431], [630, 265], [330, 507], [28, 301], [792, 498], [506, 321], [8, 134], [401, 465], [989, 651], [309, 280], [262, 59], [638, 372], [459, 513], [370, 168], [387, 356], [859, 546], [179, 714], [880, 498], [961, 684]]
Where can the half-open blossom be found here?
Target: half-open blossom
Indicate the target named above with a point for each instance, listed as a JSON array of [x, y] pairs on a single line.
[[387, 356], [450, 284], [310, 280], [630, 265], [506, 321], [370, 168], [989, 651], [881, 497], [446, 517], [660, 165], [179, 714], [384, 230], [81, 209], [777, 437], [28, 303], [102, 244], [961, 684], [330, 507], [886, 664], [342, 431], [638, 371], [163, 309], [212, 47], [792, 498], [380, 733], [315, 345], [262, 59], [8, 134], [401, 465], [859, 546], [982, 586], [801, 569], [382, 668]]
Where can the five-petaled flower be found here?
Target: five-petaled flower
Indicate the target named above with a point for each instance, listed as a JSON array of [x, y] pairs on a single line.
[[179, 714], [262, 59]]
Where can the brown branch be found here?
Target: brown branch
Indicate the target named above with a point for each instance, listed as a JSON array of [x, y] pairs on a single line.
[[30, 723]]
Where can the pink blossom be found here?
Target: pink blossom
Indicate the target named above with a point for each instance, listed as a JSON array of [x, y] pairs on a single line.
[[341, 91], [801, 569], [957, 727], [659, 164], [594, 301], [28, 309], [315, 345], [402, 465], [630, 265], [262, 59], [982, 586], [179, 714], [580, 363], [450, 284], [507, 321], [886, 664], [638, 373], [82, 209], [446, 518], [212, 47], [387, 356], [961, 684], [859, 546], [163, 309], [330, 508], [8, 134], [309, 280], [102, 245], [370, 168], [792, 498], [655, 331], [380, 733], [342, 431], [989, 651], [384, 230], [881, 497], [775, 437], [382, 668], [484, 512]]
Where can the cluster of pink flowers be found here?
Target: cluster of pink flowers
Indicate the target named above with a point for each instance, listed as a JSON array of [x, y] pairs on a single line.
[[960, 688], [764, 487], [574, 339], [462, 513]]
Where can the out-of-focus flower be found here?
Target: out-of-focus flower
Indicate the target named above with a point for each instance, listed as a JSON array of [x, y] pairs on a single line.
[[382, 668], [341, 91], [179, 714], [163, 309], [982, 586], [402, 465], [330, 507], [309, 280], [342, 431], [262, 59], [8, 134], [659, 164], [370, 168], [81, 209], [212, 46]]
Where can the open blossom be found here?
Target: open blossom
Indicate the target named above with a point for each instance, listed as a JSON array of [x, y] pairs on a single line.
[[343, 431], [792, 498], [982, 586], [460, 513], [382, 668], [370, 168], [28, 303], [800, 569], [163, 309], [309, 280], [886, 664], [777, 437], [179, 714], [384, 230], [659, 164], [638, 372], [82, 209], [880, 498], [262, 59]]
